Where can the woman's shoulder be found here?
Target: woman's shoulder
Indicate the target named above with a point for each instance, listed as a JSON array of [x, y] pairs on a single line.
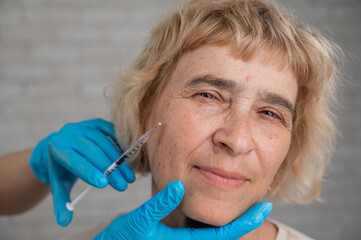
[[287, 233]]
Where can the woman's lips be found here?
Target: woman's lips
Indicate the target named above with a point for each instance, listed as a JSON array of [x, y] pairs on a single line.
[[222, 178]]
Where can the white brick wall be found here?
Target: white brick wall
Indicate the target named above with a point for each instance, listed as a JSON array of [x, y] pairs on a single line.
[[56, 57]]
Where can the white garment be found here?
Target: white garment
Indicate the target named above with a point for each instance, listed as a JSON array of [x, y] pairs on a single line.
[[287, 233]]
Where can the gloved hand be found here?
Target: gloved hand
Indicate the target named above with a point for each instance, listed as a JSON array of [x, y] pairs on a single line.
[[144, 222], [79, 150]]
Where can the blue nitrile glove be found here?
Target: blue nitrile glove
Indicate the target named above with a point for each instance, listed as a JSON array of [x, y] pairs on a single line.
[[79, 150], [144, 222]]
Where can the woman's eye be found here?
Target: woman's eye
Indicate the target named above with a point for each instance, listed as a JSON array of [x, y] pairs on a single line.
[[271, 114], [207, 95]]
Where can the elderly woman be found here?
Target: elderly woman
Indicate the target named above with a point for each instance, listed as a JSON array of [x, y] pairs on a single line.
[[245, 97]]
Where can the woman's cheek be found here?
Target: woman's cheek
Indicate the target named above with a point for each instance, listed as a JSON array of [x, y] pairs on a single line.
[[190, 118], [274, 146], [272, 141]]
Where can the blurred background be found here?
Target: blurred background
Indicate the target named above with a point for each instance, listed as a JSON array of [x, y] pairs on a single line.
[[56, 58]]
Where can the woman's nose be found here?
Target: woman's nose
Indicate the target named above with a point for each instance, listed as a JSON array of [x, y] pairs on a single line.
[[235, 136]]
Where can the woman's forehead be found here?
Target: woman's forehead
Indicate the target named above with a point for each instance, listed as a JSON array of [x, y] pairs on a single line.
[[215, 66], [225, 59], [221, 62]]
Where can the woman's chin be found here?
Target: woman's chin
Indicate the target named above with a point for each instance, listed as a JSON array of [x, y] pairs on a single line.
[[215, 216]]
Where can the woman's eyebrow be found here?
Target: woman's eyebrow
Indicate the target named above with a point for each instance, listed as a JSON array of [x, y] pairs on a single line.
[[279, 100], [216, 82]]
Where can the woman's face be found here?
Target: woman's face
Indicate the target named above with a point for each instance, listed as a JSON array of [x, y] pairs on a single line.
[[228, 129]]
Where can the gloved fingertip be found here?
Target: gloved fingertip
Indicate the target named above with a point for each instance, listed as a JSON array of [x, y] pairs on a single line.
[[266, 208], [63, 216], [131, 178], [120, 185], [263, 210], [100, 181], [175, 191], [127, 172], [176, 185], [160, 205]]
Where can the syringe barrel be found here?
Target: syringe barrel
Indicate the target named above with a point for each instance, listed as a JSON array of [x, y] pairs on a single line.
[[115, 164], [127, 154]]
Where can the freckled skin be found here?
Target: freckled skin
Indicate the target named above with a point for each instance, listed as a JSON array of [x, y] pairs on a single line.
[[234, 134]]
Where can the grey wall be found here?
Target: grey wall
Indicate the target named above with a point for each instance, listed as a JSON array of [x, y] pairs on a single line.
[[56, 57]]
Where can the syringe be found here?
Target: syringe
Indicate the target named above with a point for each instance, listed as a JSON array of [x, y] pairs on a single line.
[[127, 154]]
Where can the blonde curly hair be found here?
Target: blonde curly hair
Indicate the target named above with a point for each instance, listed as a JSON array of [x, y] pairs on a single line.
[[248, 26]]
